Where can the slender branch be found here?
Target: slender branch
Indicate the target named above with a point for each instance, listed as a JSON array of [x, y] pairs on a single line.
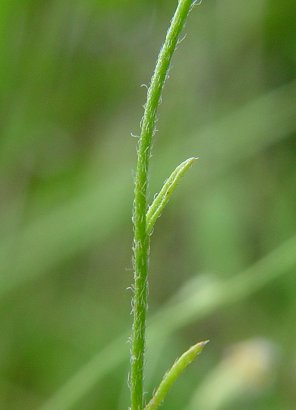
[[173, 374], [141, 238]]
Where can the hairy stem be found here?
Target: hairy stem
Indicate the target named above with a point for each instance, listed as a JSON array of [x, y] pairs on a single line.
[[141, 238]]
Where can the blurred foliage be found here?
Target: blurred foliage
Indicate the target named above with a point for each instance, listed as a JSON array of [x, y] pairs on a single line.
[[70, 97]]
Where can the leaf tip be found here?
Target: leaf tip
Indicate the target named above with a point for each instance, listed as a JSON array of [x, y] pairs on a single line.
[[192, 159], [188, 162], [198, 347]]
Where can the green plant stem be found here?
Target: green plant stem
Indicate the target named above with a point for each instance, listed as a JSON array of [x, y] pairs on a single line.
[[141, 238]]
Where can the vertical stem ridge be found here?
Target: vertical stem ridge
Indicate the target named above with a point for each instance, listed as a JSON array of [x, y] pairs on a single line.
[[141, 238]]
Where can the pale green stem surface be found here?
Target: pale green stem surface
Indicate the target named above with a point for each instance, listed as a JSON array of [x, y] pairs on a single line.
[[172, 375], [141, 238], [164, 195]]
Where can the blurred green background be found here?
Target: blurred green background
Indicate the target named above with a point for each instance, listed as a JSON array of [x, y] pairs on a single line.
[[223, 255]]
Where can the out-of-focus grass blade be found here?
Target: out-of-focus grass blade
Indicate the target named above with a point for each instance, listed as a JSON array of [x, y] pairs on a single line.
[[193, 303], [88, 375], [173, 374], [62, 233], [243, 133], [164, 195], [248, 130]]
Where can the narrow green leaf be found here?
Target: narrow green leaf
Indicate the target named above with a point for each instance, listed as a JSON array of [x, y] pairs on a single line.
[[172, 375], [164, 195]]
